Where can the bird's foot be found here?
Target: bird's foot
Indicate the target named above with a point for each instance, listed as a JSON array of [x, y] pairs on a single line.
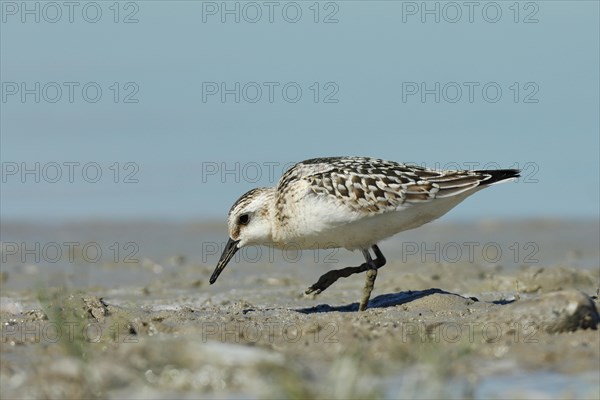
[[328, 278], [323, 283]]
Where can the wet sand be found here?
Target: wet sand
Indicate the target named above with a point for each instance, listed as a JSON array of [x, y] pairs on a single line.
[[480, 310]]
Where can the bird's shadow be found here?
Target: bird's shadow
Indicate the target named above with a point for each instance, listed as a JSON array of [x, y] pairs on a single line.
[[387, 300]]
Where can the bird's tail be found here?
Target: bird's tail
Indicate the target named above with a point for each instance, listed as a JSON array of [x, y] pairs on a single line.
[[498, 175]]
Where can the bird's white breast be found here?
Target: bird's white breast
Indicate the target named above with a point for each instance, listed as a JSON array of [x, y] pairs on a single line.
[[325, 222]]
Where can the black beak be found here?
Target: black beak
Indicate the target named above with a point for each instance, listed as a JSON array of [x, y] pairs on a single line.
[[230, 249]]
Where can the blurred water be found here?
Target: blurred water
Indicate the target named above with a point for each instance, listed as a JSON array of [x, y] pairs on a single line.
[[109, 254], [178, 153]]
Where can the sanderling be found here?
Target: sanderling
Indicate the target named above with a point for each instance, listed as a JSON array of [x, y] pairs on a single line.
[[349, 202]]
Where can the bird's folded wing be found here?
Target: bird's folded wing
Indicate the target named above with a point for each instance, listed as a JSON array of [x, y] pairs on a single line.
[[376, 186]]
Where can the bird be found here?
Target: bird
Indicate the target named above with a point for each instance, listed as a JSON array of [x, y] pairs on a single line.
[[348, 202]]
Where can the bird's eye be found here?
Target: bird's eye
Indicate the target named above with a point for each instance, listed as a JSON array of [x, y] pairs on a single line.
[[244, 219]]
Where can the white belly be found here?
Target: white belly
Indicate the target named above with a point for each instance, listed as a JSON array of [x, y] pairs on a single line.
[[325, 224]]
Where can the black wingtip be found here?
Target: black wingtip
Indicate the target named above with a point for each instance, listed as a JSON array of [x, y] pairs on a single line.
[[499, 175]]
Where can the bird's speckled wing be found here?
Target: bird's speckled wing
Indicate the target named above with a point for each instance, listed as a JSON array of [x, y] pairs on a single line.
[[376, 186]]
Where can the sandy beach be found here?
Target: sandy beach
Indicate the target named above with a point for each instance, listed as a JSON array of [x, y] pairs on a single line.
[[494, 309]]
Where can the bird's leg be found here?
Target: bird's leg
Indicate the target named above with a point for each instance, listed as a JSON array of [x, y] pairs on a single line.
[[371, 275], [369, 282], [380, 260], [330, 277]]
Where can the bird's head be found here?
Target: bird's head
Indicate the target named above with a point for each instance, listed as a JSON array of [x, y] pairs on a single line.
[[249, 223]]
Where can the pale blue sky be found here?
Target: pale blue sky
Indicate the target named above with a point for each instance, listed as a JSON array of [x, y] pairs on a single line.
[[369, 61]]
